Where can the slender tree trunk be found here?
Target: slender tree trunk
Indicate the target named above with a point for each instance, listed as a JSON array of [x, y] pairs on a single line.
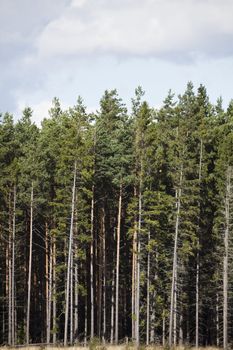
[[100, 283], [54, 293], [152, 320], [47, 280], [104, 277], [69, 258], [13, 270], [197, 301], [174, 268], [85, 324], [217, 320], [92, 264], [112, 304], [29, 268], [118, 265], [181, 335], [134, 274], [152, 325], [164, 331], [225, 259], [198, 254], [76, 294], [48, 283], [71, 299], [148, 295], [49, 292], [10, 273], [175, 311], [137, 331]]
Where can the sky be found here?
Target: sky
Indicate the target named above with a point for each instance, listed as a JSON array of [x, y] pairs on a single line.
[[67, 48]]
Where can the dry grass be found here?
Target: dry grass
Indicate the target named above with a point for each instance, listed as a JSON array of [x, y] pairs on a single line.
[[101, 347]]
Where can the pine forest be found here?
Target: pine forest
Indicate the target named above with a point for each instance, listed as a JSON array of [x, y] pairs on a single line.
[[117, 225]]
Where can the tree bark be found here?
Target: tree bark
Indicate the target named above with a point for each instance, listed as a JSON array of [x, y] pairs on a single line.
[[148, 295], [198, 254], [29, 268], [217, 320], [92, 264], [54, 292], [13, 270], [174, 268], [134, 274], [137, 331], [69, 258], [71, 298], [9, 261], [118, 266], [76, 294], [104, 277], [225, 259]]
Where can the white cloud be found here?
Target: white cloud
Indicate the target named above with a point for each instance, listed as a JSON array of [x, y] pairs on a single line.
[[175, 29]]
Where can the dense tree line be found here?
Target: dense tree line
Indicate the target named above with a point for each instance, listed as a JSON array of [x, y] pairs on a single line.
[[118, 225]]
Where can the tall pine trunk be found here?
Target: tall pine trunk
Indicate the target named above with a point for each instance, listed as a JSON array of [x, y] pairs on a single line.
[[174, 267], [225, 258], [10, 272], [134, 274], [68, 279], [104, 277], [76, 294], [112, 305], [198, 248], [29, 269], [92, 264], [54, 292], [137, 302], [71, 298], [118, 266], [148, 295], [13, 309]]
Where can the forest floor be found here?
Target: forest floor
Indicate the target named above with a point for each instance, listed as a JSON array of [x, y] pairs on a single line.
[[104, 347]]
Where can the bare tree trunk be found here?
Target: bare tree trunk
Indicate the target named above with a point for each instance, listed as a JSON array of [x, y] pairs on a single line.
[[225, 259], [76, 294], [164, 331], [112, 304], [71, 299], [174, 268], [152, 325], [69, 258], [54, 293], [85, 323], [197, 300], [47, 280], [175, 311], [181, 335], [148, 295], [13, 270], [118, 265], [134, 272], [49, 292], [217, 320], [152, 320], [137, 331], [92, 264], [198, 255], [29, 268], [104, 278], [48, 271], [10, 273], [100, 283]]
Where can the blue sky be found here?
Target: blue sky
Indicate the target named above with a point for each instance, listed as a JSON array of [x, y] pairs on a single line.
[[67, 48]]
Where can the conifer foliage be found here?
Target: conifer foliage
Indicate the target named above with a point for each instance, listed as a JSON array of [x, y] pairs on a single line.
[[118, 224]]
